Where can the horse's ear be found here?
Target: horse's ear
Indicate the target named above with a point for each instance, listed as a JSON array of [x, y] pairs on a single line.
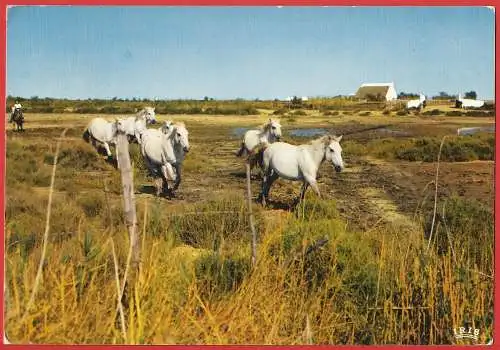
[[338, 138]]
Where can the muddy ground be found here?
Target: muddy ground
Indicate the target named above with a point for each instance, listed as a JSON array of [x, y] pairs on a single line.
[[369, 191]]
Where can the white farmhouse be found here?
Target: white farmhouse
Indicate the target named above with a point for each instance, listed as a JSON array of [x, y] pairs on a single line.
[[380, 91]]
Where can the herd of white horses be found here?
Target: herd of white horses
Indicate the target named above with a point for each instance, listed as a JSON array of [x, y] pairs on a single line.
[[164, 150]]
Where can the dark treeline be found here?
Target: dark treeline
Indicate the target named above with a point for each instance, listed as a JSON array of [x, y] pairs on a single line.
[[204, 106]]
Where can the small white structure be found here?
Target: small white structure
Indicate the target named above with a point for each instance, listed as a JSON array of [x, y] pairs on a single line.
[[469, 103], [416, 104], [304, 98], [383, 91]]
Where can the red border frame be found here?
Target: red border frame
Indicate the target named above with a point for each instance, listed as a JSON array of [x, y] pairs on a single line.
[[3, 14]]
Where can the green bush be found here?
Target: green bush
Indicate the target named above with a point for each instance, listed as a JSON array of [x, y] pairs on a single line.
[[218, 275], [456, 149], [299, 112], [454, 113], [432, 112]]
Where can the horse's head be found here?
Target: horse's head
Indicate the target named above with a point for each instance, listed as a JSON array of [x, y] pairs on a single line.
[[275, 128], [167, 127], [181, 136], [149, 115], [333, 152], [120, 125]]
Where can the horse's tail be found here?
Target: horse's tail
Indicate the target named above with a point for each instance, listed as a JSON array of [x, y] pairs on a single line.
[[86, 135], [242, 151], [259, 157]]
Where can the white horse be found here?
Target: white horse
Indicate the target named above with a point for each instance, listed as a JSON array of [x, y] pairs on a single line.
[[137, 124], [299, 163], [104, 132], [468, 103], [164, 151], [417, 104], [266, 134]]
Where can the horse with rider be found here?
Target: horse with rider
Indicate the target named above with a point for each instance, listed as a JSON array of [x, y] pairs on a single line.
[[17, 116]]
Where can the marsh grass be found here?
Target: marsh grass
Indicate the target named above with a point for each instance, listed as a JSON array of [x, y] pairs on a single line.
[[455, 149], [315, 281]]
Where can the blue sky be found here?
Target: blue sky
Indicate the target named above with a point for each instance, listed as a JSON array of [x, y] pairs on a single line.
[[246, 52]]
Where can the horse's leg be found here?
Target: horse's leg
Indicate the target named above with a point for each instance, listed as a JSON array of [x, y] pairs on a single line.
[[311, 180], [242, 150], [164, 178], [108, 151], [266, 185], [177, 167], [305, 185]]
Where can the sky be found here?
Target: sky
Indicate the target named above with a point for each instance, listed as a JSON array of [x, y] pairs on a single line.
[[246, 52]]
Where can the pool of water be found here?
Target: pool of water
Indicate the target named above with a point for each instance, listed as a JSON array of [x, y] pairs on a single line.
[[239, 131], [307, 132], [392, 132], [473, 130]]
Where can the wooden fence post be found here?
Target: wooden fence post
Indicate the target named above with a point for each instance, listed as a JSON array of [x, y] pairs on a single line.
[[250, 214], [127, 175]]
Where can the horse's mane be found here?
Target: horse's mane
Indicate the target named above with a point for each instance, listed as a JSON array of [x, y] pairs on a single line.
[[142, 112], [323, 139], [265, 126]]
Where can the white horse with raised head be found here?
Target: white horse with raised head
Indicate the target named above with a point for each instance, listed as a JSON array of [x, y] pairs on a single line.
[[255, 140], [164, 151], [137, 124], [299, 163], [266, 134], [104, 132]]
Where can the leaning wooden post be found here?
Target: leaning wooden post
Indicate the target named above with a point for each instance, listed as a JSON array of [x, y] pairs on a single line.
[[250, 214], [124, 164]]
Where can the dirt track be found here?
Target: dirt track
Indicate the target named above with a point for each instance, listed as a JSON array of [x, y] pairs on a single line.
[[369, 190]]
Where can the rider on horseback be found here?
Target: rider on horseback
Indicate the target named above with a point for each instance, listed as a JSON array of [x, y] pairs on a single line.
[[16, 106]]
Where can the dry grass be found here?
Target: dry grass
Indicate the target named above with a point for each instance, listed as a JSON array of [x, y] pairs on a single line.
[[196, 285]]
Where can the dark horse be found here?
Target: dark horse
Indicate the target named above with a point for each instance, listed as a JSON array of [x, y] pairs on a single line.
[[18, 118]]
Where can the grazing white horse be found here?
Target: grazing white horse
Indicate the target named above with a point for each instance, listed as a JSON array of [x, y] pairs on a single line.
[[164, 151], [468, 102], [300, 163], [136, 125], [417, 104], [104, 132]]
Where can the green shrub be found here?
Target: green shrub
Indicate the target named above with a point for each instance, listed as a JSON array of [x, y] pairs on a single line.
[[454, 149], [299, 112], [454, 113], [218, 275], [432, 112]]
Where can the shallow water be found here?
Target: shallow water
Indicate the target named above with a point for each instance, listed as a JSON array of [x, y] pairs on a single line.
[[393, 132], [473, 130], [239, 131], [307, 132]]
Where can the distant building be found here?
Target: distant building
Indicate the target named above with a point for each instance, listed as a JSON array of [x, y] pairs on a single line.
[[377, 91]]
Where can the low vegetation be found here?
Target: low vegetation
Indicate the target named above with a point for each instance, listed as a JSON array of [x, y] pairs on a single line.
[[318, 279], [426, 149]]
